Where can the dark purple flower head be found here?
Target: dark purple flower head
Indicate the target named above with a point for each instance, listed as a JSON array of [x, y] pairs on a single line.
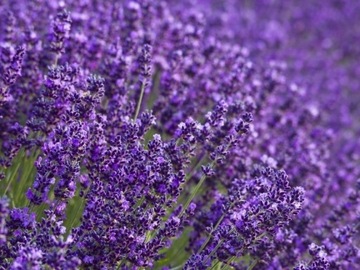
[[13, 71], [61, 30], [23, 217], [139, 125], [28, 258]]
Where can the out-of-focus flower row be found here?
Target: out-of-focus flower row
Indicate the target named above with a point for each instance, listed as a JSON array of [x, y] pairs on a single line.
[[179, 134]]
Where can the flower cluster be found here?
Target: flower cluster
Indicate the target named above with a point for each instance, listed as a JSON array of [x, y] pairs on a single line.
[[140, 134], [246, 220]]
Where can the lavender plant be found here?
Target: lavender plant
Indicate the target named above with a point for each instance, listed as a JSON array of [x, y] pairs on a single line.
[[169, 135]]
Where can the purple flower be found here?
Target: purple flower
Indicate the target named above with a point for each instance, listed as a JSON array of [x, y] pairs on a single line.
[[28, 258], [128, 127]]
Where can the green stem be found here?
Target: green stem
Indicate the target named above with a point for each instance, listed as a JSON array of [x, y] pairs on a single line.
[[252, 265], [196, 165], [77, 213], [177, 267], [154, 89], [217, 247], [120, 263], [228, 262], [140, 99], [194, 192], [12, 177], [26, 179], [197, 187], [148, 236], [260, 236], [213, 267], [56, 59], [214, 250], [210, 235]]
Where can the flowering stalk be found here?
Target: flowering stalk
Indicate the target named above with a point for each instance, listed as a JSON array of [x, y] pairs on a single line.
[[145, 74], [240, 150]]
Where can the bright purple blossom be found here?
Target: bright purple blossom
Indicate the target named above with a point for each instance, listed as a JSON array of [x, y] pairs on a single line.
[[179, 134]]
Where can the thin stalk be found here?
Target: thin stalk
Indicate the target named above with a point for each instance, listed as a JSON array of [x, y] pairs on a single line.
[[214, 250], [197, 187], [213, 267], [197, 164], [210, 235], [12, 177], [216, 247], [252, 265], [227, 264], [194, 192], [148, 236], [177, 267], [142, 90], [260, 236], [77, 213], [120, 263], [180, 248], [25, 179], [154, 92], [56, 59]]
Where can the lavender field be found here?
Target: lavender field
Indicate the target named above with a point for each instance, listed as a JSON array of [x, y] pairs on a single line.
[[168, 135]]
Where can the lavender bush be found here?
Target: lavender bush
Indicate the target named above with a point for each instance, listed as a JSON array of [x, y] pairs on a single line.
[[179, 134]]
